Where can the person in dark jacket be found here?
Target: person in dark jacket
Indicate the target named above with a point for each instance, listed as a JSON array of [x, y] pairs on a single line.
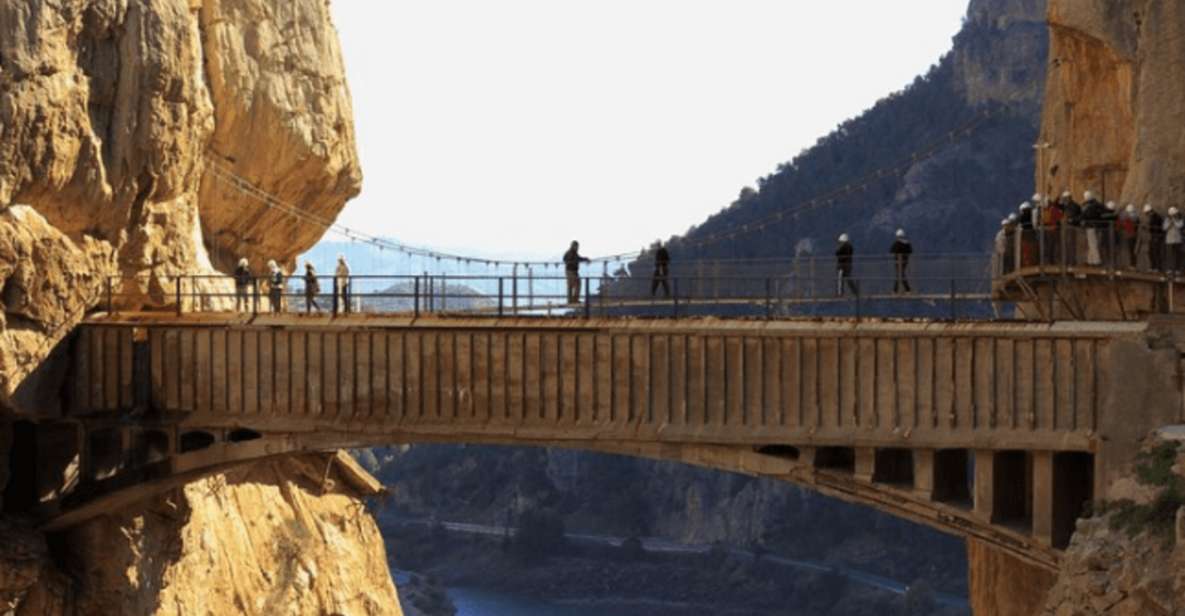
[[1152, 234], [662, 265], [843, 266], [275, 286], [242, 278], [901, 251], [572, 261], [311, 288]]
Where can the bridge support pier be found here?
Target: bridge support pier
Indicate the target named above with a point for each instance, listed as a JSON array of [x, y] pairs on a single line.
[[1043, 497], [983, 501], [923, 473], [865, 464]]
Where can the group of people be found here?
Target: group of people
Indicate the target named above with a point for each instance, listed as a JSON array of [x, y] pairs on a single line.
[[573, 259], [276, 283], [1094, 233], [901, 250]]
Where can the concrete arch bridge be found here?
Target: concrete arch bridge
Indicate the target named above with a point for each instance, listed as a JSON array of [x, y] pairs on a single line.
[[1000, 432]]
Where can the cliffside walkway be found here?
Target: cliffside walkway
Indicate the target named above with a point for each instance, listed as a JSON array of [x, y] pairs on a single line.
[[998, 431]]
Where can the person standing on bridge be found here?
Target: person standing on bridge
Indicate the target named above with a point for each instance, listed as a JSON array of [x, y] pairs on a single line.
[[662, 271], [1174, 229], [275, 286], [341, 284], [311, 288], [1094, 218], [843, 265], [901, 251], [242, 278], [1152, 238], [1128, 229], [572, 261]]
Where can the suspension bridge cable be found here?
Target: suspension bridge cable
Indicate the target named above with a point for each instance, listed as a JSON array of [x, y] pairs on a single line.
[[246, 187]]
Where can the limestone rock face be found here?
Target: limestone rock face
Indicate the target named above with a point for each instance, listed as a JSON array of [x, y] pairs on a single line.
[[283, 122], [1114, 100], [268, 539], [111, 112]]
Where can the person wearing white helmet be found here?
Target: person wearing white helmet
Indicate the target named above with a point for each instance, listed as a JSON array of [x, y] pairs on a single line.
[[1127, 227], [341, 285], [275, 286], [901, 251], [242, 278], [1174, 234], [843, 265], [1152, 238], [312, 287], [1094, 218]]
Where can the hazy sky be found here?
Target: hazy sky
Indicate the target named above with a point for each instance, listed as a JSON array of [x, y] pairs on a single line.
[[510, 127]]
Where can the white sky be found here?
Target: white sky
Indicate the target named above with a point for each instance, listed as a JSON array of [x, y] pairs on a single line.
[[510, 127]]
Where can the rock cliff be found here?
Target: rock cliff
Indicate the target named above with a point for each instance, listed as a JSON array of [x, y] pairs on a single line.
[[128, 129], [1114, 100], [289, 536]]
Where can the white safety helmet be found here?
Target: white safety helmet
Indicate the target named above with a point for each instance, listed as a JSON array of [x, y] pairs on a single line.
[[1088, 195], [843, 237], [1111, 206], [1012, 218], [1037, 198], [1130, 209], [1026, 206], [243, 262], [271, 265], [901, 233], [1004, 223], [1174, 211], [1067, 195], [1147, 208]]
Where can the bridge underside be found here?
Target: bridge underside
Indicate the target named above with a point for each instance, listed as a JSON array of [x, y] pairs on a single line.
[[1001, 432]]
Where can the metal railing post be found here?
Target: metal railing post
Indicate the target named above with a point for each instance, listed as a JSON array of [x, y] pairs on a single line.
[[416, 297], [769, 305], [675, 297], [500, 295], [587, 298], [954, 306], [336, 296], [178, 295]]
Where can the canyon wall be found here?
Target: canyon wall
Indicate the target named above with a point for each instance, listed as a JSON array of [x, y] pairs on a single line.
[[1114, 101], [290, 536], [154, 137]]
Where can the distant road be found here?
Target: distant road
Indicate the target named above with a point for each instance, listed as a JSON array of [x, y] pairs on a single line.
[[665, 546]]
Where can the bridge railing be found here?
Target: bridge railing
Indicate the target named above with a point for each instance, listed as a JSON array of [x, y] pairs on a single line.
[[951, 286]]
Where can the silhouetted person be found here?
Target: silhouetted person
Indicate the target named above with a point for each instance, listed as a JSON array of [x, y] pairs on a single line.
[[242, 278], [341, 278], [843, 266], [311, 288], [901, 251], [572, 261], [662, 271], [1152, 234]]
